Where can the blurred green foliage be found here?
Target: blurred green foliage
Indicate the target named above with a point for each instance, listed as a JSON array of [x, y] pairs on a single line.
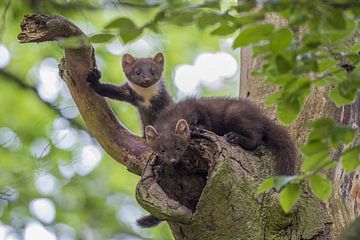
[[319, 46]]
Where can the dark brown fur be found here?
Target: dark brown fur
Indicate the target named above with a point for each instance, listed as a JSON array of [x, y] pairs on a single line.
[[145, 88], [238, 120]]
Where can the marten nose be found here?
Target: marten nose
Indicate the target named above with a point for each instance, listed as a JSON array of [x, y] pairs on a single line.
[[173, 159], [147, 79]]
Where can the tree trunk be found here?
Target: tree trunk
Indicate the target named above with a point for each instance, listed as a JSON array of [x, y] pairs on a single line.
[[221, 178], [344, 205]]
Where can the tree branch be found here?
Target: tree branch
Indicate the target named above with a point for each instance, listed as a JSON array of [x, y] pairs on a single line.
[[117, 141], [16, 80]]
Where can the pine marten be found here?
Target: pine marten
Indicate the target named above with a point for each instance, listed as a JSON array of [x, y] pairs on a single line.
[[145, 88], [238, 120]]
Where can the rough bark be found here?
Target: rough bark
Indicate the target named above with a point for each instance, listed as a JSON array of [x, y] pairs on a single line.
[[222, 177], [344, 205]]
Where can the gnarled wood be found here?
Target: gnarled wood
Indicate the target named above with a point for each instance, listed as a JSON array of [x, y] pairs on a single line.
[[228, 207]]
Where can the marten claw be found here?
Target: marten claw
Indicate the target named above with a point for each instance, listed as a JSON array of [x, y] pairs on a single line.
[[93, 76], [232, 137]]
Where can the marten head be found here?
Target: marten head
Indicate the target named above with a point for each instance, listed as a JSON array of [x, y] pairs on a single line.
[[143, 72], [169, 146]]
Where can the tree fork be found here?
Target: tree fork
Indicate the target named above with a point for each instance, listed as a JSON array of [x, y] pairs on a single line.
[[228, 207]]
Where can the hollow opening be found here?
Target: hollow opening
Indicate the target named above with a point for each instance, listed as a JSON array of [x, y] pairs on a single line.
[[185, 181]]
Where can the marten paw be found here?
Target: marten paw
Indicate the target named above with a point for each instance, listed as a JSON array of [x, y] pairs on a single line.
[[232, 137], [93, 77], [196, 130]]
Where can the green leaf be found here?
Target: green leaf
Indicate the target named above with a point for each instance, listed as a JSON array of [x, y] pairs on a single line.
[[326, 64], [288, 110], [101, 38], [289, 195], [350, 159], [253, 34], [313, 148], [348, 90], [275, 182], [281, 39], [272, 99], [282, 65], [121, 23], [338, 99], [323, 123], [266, 185], [181, 18], [316, 161], [339, 135], [208, 19], [130, 34], [335, 19], [247, 19], [225, 29], [321, 186], [280, 79], [281, 181], [245, 6]]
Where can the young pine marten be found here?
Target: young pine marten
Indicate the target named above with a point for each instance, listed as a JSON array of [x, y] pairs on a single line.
[[145, 88], [238, 120]]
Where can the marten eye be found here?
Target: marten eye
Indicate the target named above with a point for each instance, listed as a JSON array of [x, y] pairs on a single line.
[[178, 149], [137, 72], [152, 73]]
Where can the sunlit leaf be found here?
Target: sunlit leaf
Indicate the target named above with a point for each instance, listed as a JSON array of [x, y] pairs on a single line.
[[208, 19], [121, 23], [101, 38], [321, 186], [253, 34], [313, 148], [280, 39], [282, 64], [289, 195], [266, 185], [130, 34], [225, 29], [350, 159], [338, 98], [288, 110], [315, 161]]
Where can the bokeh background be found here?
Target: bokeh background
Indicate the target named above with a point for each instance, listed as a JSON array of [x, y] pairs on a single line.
[[56, 182]]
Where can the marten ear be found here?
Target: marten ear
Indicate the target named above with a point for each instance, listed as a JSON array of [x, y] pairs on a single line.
[[182, 128], [150, 133], [159, 59], [127, 61]]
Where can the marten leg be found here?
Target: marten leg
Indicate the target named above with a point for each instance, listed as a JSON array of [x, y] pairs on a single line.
[[122, 93], [246, 140], [244, 132]]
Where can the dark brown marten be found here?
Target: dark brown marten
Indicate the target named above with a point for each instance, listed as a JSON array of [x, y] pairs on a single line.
[[145, 88], [238, 120]]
